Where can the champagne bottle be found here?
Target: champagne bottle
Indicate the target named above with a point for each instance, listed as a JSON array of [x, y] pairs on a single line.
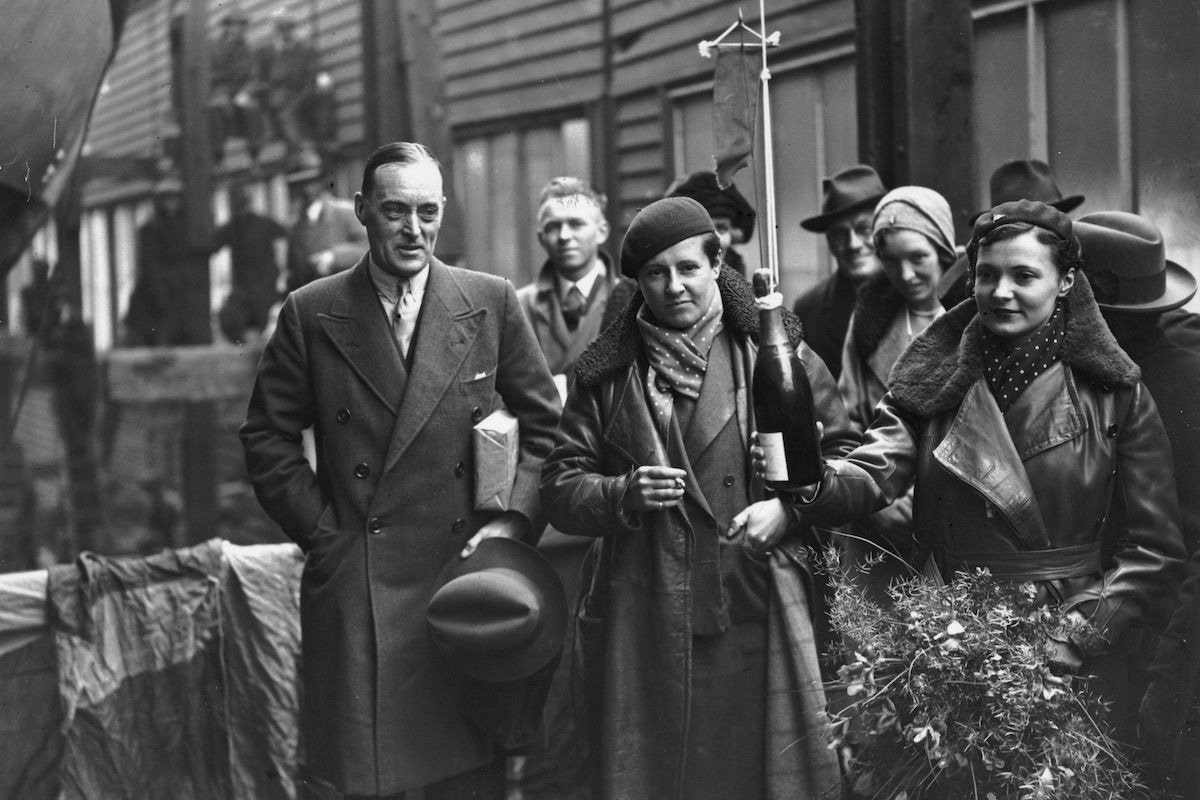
[[783, 399]]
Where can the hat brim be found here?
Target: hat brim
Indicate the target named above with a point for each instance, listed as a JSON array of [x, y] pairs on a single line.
[[1065, 205], [303, 176], [821, 222], [1180, 287], [500, 552]]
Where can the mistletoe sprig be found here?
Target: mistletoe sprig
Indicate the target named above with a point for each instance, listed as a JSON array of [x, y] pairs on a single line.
[[950, 694]]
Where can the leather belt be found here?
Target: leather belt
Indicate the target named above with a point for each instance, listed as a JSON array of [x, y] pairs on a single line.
[[1075, 561]]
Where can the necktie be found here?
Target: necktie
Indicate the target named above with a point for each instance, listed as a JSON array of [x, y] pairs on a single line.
[[573, 307], [404, 321]]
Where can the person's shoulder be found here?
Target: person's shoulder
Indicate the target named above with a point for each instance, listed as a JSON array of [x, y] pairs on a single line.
[[320, 291], [812, 298], [475, 279]]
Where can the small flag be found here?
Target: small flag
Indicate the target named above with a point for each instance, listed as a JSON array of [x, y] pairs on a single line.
[[735, 106]]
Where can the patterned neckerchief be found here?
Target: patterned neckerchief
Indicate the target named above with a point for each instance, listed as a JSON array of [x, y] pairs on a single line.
[[678, 358], [1010, 369]]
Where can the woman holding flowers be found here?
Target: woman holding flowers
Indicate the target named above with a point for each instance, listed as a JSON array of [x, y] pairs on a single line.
[[1023, 427]]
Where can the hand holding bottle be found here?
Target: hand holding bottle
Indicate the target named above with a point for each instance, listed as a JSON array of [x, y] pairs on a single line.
[[758, 461]]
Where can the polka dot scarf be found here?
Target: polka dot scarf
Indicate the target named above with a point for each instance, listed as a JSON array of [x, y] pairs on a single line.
[[1009, 370], [678, 359]]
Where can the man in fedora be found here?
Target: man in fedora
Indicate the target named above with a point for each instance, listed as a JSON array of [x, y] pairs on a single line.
[[326, 236], [392, 362], [1135, 285], [845, 219], [1020, 179]]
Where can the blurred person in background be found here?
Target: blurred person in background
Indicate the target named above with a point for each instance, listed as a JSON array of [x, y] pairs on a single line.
[[251, 239], [731, 213], [1124, 257]]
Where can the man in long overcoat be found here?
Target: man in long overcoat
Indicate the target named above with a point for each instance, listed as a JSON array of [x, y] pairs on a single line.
[[392, 362]]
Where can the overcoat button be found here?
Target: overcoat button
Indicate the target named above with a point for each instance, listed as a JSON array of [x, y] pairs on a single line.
[[1112, 430], [362, 470], [476, 414], [374, 524], [460, 469], [728, 480], [343, 415], [459, 525]]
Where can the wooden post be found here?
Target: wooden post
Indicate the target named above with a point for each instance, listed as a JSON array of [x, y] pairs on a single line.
[[915, 92], [387, 115], [424, 90], [200, 417]]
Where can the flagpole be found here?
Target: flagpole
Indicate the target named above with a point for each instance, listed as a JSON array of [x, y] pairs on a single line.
[[768, 155]]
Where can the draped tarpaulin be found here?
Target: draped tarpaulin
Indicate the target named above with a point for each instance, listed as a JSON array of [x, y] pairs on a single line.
[[176, 676]]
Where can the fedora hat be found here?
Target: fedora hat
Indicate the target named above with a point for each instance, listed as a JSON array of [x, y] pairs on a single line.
[[499, 615], [1130, 247], [852, 189], [1028, 179]]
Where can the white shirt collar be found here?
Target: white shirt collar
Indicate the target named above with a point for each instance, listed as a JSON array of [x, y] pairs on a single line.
[[386, 282], [585, 283]]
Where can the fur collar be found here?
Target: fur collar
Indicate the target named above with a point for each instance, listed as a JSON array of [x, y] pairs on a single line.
[[620, 343], [934, 373], [877, 304]]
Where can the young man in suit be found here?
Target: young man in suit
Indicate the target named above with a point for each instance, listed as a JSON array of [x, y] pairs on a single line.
[[392, 362], [567, 306]]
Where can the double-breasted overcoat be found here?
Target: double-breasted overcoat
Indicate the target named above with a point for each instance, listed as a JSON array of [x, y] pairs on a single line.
[[390, 503]]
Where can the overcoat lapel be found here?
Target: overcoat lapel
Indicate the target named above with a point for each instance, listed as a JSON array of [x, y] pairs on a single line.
[[979, 451], [716, 406], [447, 328], [359, 331]]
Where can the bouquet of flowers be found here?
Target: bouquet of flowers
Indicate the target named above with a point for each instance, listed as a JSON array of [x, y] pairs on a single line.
[[950, 694]]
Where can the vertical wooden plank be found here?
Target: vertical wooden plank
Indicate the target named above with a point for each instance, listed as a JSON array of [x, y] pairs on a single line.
[[934, 44], [873, 80], [198, 450], [383, 81]]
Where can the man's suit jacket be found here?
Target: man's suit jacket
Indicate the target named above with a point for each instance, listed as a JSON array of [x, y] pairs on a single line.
[[824, 312], [336, 228], [391, 503], [542, 305]]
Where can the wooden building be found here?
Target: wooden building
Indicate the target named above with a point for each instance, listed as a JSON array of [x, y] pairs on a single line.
[[513, 92]]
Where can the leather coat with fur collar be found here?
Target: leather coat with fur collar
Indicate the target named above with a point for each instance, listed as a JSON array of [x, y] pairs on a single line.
[[992, 489], [607, 431]]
